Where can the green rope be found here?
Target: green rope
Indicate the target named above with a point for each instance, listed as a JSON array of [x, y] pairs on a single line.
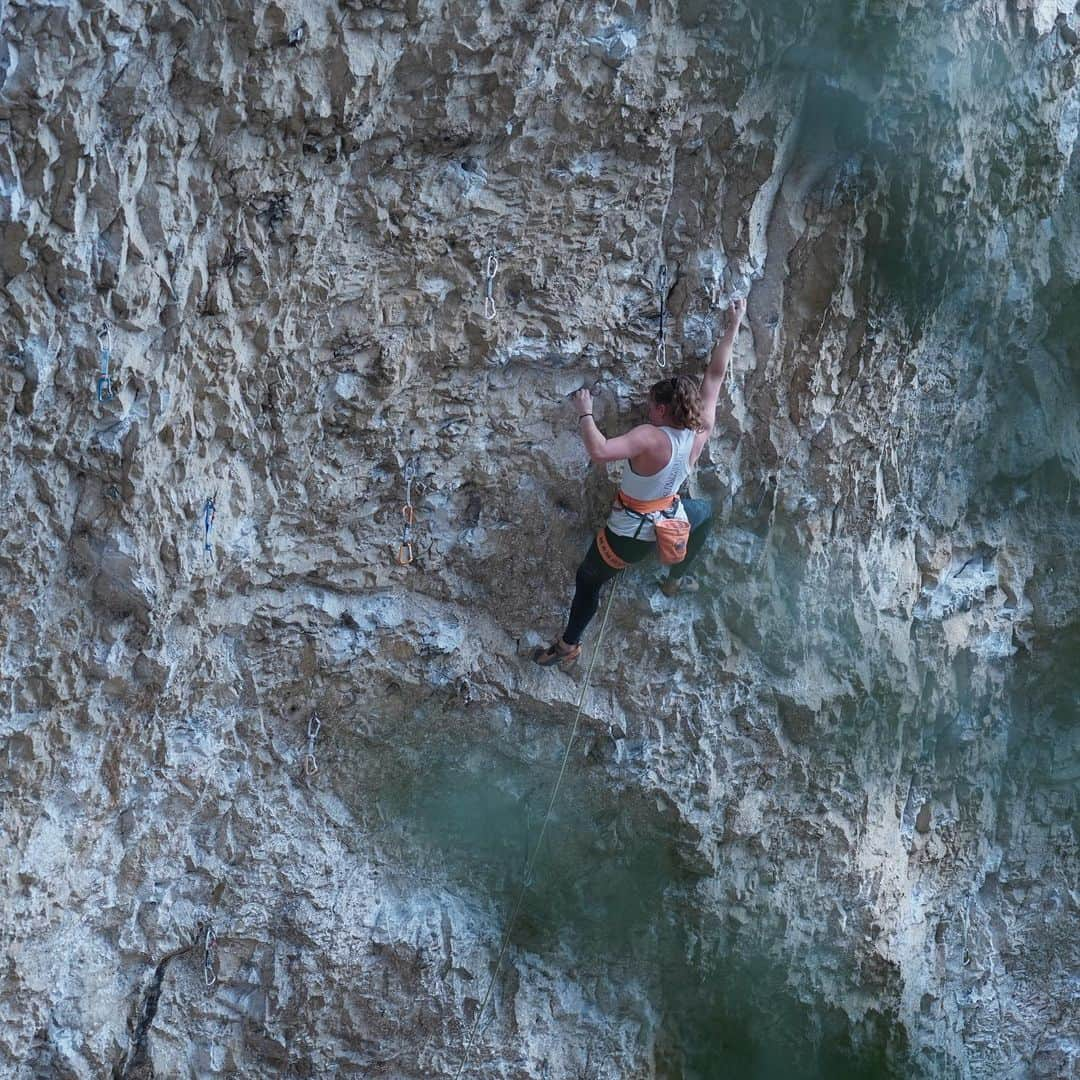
[[530, 865]]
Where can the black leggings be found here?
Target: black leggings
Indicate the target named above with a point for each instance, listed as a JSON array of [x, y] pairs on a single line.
[[593, 571]]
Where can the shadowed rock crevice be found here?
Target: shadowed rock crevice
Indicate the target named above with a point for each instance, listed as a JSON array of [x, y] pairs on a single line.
[[136, 1063]]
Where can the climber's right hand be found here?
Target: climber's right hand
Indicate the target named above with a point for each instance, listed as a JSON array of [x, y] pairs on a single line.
[[736, 312]]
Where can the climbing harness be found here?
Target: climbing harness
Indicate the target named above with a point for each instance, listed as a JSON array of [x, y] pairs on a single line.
[[104, 382], [489, 285], [311, 766], [672, 533], [209, 945], [531, 864], [661, 344], [209, 513], [607, 552], [408, 517]]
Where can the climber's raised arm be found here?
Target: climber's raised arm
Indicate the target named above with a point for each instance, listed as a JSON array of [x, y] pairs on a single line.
[[713, 382]]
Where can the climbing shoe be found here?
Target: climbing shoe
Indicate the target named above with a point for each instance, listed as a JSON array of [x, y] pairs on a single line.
[[558, 652], [672, 586]]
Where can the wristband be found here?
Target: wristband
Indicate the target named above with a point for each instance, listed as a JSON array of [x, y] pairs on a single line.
[[581, 416]]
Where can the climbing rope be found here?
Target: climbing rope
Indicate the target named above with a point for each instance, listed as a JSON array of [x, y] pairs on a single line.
[[209, 946], [209, 513], [661, 344], [489, 285], [408, 517], [104, 382], [311, 766], [531, 864]]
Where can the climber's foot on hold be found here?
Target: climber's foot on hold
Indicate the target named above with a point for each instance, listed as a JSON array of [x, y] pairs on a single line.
[[672, 586], [558, 652]]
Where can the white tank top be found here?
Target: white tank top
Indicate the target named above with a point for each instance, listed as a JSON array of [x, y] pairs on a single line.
[[658, 486]]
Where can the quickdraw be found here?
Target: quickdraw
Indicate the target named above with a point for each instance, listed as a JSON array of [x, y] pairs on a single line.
[[408, 517], [311, 766], [661, 344], [209, 946], [104, 382], [717, 288], [209, 513], [489, 285]]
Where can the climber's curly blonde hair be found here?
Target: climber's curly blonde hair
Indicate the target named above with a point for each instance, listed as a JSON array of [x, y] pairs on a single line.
[[682, 396]]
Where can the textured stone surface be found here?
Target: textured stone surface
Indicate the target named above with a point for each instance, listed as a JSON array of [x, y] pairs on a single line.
[[822, 817]]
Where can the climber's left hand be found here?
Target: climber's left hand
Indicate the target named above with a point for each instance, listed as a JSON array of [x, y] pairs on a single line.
[[582, 400]]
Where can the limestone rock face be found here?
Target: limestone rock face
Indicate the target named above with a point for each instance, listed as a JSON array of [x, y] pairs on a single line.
[[820, 817]]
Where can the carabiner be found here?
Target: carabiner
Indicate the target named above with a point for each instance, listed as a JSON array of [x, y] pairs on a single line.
[[489, 285], [104, 383], [209, 975]]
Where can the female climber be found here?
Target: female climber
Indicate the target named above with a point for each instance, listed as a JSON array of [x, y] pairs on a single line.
[[681, 416]]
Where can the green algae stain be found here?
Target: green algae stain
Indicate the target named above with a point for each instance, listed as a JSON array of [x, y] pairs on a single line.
[[613, 903]]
